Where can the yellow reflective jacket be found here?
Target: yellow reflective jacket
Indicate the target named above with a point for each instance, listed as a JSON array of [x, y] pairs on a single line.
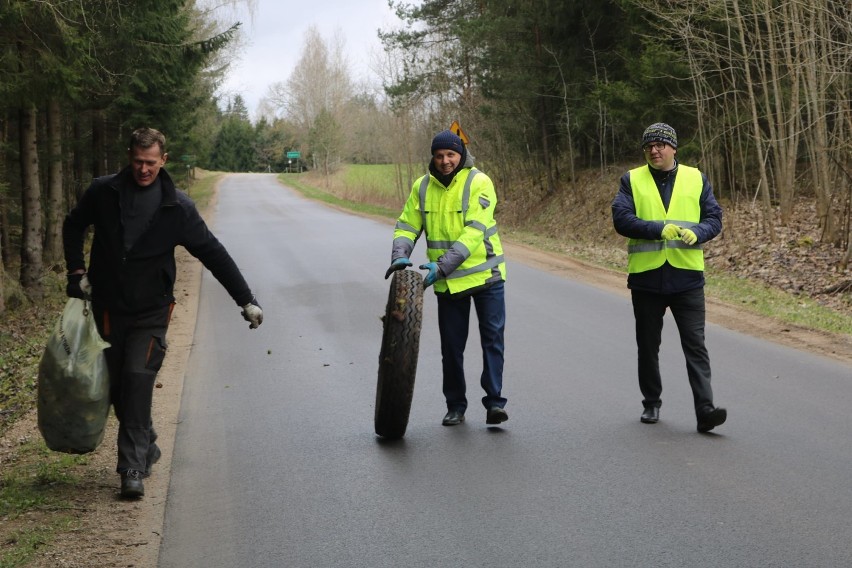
[[461, 232]]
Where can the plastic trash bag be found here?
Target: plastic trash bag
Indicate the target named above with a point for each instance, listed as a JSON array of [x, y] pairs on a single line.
[[73, 383]]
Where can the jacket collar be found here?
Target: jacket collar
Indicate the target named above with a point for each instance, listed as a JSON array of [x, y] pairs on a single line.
[[124, 178]]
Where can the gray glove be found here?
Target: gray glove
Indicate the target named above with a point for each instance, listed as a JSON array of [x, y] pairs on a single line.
[[253, 314]]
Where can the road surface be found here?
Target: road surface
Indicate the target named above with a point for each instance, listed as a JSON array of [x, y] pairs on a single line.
[[276, 463]]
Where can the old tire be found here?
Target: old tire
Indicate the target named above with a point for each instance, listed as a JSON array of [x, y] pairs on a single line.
[[398, 356]]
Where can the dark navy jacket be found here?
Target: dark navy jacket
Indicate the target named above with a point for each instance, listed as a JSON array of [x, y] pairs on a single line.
[[143, 277], [667, 279]]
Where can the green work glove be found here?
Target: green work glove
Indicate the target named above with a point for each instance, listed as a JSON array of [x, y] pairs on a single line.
[[670, 232], [688, 237]]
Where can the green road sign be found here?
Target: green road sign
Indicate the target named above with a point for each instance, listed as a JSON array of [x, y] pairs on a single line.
[[294, 155]]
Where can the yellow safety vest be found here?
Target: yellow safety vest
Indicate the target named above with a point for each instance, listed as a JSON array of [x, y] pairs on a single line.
[[460, 217], [684, 211]]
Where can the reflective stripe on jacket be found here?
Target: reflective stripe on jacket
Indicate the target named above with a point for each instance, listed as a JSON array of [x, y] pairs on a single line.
[[461, 233], [684, 211]]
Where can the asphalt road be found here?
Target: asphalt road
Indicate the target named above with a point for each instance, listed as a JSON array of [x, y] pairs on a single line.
[[276, 462]]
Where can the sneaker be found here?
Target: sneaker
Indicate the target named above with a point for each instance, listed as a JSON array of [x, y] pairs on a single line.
[[153, 457], [496, 415], [131, 484]]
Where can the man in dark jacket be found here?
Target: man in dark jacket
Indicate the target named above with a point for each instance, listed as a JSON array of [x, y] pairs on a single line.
[[667, 211], [139, 217]]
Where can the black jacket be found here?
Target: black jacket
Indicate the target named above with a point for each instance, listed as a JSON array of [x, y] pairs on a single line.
[[143, 277]]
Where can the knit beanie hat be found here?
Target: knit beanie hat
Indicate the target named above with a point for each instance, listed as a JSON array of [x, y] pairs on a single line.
[[660, 132], [446, 140]]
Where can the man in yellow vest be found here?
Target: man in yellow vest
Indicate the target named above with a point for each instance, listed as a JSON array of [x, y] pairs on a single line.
[[454, 206], [667, 210]]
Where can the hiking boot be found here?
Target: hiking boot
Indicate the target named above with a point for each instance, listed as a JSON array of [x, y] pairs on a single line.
[[131, 484]]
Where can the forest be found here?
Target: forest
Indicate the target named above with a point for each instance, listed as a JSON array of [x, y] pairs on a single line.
[[758, 90]]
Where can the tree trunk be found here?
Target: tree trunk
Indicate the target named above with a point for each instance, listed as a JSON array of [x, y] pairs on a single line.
[[31, 229], [55, 195], [817, 90], [5, 238], [778, 72], [755, 117], [77, 168], [3, 220], [545, 147], [99, 154]]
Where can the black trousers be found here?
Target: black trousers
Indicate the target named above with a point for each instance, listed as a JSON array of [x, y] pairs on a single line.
[[689, 315], [137, 349]]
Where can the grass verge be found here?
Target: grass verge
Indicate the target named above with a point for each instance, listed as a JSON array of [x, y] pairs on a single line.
[[312, 192], [201, 189], [33, 500], [761, 299]]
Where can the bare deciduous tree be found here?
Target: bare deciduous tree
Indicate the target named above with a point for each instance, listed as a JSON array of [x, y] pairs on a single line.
[[771, 83], [315, 96]]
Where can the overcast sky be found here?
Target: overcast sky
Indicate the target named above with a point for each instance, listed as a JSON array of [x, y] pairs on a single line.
[[275, 38]]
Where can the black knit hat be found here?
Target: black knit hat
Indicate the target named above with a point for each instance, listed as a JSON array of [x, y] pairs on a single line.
[[446, 140], [660, 132]]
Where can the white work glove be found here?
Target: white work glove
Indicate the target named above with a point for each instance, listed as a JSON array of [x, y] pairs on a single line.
[[85, 285], [253, 314]]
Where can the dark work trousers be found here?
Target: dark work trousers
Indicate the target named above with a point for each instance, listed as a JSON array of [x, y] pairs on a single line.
[[453, 324], [688, 311], [137, 348]]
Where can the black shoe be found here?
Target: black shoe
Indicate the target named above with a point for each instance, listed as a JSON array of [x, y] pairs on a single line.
[[131, 484], [710, 420], [153, 457], [496, 415], [453, 417], [651, 415]]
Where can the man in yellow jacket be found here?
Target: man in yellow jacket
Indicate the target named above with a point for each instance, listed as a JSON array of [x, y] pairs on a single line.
[[454, 206], [667, 210]]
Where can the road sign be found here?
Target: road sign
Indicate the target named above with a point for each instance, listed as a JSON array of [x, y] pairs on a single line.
[[294, 155], [456, 129]]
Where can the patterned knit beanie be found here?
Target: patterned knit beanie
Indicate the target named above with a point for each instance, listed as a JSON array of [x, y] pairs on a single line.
[[446, 140], [660, 132]]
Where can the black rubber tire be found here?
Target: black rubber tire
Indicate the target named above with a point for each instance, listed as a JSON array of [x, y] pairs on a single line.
[[403, 320]]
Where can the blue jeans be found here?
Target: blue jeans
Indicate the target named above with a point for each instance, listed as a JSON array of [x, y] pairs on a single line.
[[453, 324]]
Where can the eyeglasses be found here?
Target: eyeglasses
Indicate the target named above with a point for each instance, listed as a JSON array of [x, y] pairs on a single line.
[[658, 146]]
